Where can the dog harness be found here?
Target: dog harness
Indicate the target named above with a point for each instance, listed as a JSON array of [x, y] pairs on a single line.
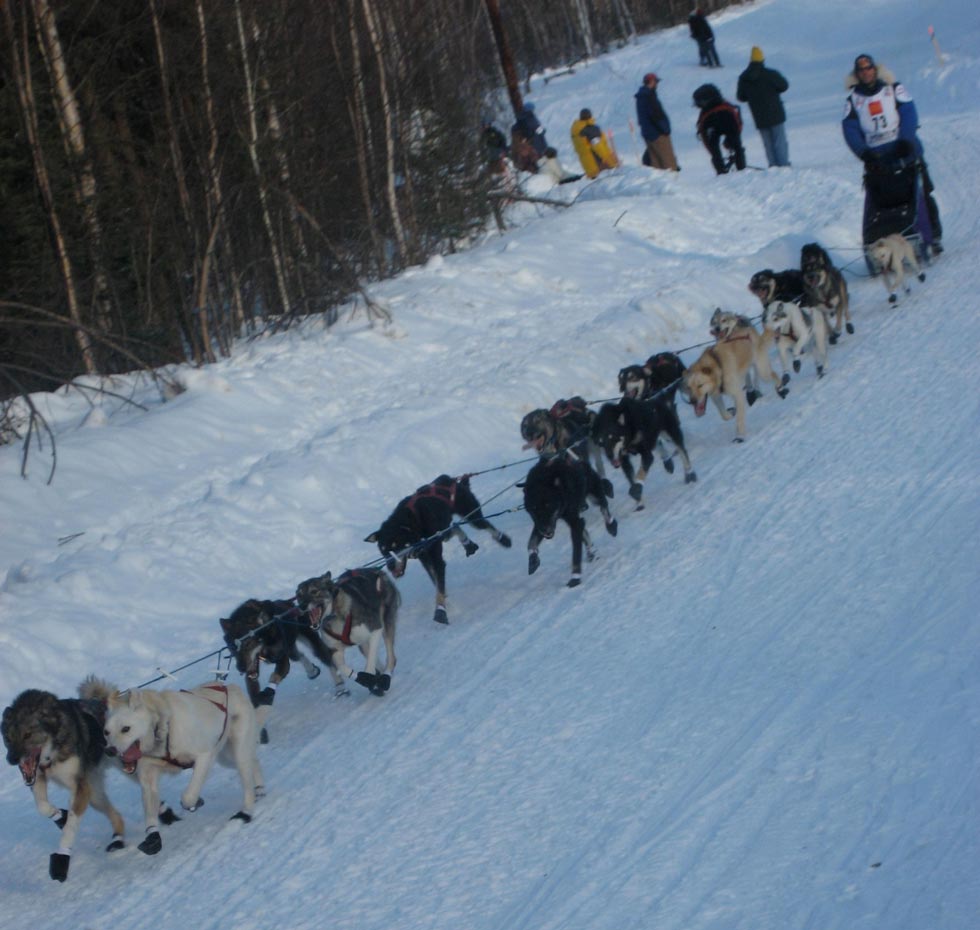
[[167, 757]]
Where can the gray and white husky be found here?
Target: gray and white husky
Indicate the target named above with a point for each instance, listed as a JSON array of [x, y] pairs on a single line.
[[60, 740], [359, 608], [794, 330], [158, 733]]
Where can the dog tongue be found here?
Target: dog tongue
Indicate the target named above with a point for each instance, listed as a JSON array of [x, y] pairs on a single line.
[[132, 755], [315, 613], [28, 766], [699, 407]]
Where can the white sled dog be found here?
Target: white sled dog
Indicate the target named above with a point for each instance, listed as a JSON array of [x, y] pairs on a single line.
[[794, 330], [890, 254], [726, 368], [162, 732]]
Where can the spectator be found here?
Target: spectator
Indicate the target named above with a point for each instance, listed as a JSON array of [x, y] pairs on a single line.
[[760, 87], [593, 148], [703, 34], [530, 129], [494, 146], [655, 125], [880, 124], [720, 123]]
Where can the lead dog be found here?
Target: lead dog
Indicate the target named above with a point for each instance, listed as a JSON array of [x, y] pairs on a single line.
[[825, 287], [156, 733], [723, 369], [417, 526], [60, 740], [359, 608], [267, 631], [633, 427], [558, 488], [890, 254]]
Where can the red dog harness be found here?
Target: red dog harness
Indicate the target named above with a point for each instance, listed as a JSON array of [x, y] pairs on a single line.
[[169, 759]]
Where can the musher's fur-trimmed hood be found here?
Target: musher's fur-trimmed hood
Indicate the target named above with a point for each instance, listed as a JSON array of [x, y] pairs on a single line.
[[884, 74]]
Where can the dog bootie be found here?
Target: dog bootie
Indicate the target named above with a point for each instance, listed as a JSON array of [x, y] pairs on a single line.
[[116, 844], [266, 697], [58, 867], [152, 844], [533, 563], [440, 615]]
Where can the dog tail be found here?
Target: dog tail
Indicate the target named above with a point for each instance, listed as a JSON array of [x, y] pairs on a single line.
[[95, 689]]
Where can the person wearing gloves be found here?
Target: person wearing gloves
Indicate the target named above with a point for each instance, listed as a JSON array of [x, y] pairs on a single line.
[[880, 124]]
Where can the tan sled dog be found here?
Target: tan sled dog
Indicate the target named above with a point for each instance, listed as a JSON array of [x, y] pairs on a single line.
[[162, 732], [726, 368], [891, 254]]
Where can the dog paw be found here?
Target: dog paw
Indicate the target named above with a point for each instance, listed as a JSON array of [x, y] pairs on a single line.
[[191, 807], [242, 816], [314, 672], [533, 563], [922, 276], [470, 547], [608, 489], [797, 365], [833, 338], [892, 298], [752, 396], [669, 466], [382, 683], [739, 439], [152, 844], [116, 844], [440, 615], [60, 818], [264, 736], [782, 392], [850, 329], [819, 371], [341, 690], [785, 378], [612, 527], [690, 477], [636, 490], [366, 680], [504, 540], [266, 697], [58, 867], [166, 816], [574, 581]]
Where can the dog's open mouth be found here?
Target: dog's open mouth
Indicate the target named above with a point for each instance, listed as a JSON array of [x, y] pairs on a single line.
[[130, 757], [699, 406], [28, 766], [315, 613]]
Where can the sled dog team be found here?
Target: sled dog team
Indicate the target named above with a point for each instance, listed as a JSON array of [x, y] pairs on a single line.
[[146, 733]]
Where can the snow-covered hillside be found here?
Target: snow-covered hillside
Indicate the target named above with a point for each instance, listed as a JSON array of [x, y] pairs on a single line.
[[758, 712]]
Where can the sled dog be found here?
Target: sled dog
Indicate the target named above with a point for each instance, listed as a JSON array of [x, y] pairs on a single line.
[[267, 631], [566, 426], [359, 608], [795, 329], [723, 325], [61, 741], [415, 530], [769, 285], [659, 376], [890, 254], [558, 488], [633, 427], [825, 287], [156, 733], [725, 368]]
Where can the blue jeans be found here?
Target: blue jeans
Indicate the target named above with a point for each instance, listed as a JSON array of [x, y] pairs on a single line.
[[777, 148]]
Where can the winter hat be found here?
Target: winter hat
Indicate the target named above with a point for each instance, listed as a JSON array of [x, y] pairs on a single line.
[[585, 114], [869, 59], [756, 54], [649, 77], [529, 106]]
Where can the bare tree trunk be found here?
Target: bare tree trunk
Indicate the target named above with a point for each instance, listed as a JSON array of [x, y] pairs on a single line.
[[21, 73], [506, 57], [73, 134], [586, 27], [253, 153], [390, 189]]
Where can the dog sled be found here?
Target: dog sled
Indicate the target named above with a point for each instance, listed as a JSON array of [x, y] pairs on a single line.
[[895, 202]]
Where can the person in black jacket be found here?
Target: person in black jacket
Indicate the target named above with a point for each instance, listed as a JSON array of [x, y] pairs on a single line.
[[704, 35], [720, 123], [760, 87]]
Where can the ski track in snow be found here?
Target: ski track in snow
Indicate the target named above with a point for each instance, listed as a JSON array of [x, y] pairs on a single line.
[[760, 708]]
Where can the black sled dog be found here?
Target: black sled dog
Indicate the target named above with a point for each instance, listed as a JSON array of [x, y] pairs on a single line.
[[61, 741], [559, 488], [417, 527], [267, 631], [633, 427], [359, 608]]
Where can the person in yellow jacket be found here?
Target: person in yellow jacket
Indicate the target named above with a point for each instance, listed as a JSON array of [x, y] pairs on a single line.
[[592, 146]]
